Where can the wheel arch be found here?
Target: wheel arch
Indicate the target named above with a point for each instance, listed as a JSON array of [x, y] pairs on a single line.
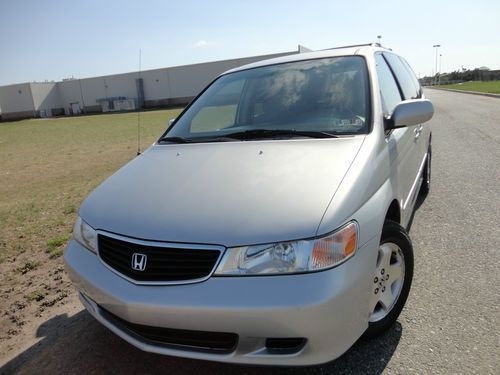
[[393, 212]]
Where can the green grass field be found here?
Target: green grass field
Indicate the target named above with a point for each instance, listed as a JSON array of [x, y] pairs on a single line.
[[492, 87], [48, 166]]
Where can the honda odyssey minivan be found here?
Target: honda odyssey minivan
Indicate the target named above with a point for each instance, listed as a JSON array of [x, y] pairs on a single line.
[[268, 224]]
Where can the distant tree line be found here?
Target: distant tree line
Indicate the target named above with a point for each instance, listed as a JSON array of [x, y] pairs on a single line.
[[464, 75]]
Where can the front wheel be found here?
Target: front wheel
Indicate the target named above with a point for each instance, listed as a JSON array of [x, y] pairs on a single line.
[[392, 278]]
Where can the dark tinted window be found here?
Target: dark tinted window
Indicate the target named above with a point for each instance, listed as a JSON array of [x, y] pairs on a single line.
[[323, 95], [405, 78], [388, 88]]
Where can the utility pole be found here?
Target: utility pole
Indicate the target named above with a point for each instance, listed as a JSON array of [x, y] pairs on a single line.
[[436, 46]]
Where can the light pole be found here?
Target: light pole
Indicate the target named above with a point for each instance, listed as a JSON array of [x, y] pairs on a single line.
[[436, 46], [440, 60], [379, 37]]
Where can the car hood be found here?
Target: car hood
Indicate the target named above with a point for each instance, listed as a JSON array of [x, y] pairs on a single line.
[[230, 194]]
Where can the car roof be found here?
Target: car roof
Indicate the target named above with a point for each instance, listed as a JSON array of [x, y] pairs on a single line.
[[359, 50]]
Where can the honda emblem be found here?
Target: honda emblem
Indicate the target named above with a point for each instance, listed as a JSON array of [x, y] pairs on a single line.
[[139, 261]]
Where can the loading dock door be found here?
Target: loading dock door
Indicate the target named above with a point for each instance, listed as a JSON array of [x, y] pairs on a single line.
[[75, 108]]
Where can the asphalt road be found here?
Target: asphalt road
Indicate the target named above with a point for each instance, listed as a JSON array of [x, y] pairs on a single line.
[[451, 321]]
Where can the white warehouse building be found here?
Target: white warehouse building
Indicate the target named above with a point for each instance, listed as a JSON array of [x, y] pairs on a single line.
[[165, 87]]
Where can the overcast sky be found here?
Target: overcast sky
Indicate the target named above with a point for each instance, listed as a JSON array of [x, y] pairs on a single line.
[[50, 40]]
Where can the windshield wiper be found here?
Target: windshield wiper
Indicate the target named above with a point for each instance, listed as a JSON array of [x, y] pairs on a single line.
[[251, 134], [175, 140], [195, 140], [269, 133]]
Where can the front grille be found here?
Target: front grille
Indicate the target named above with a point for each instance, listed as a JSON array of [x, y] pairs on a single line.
[[163, 264], [214, 342]]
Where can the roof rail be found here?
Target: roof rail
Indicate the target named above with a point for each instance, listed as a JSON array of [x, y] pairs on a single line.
[[359, 45]]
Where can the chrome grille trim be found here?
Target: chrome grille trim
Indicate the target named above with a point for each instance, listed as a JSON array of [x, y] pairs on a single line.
[[151, 243]]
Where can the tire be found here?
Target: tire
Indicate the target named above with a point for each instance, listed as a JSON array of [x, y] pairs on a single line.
[[426, 183], [389, 293]]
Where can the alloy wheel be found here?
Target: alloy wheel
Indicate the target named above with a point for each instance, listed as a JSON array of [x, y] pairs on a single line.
[[387, 282]]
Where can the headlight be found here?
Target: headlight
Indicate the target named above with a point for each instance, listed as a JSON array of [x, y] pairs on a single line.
[[292, 257], [85, 235]]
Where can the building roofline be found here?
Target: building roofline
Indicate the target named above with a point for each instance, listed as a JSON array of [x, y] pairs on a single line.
[[277, 54]]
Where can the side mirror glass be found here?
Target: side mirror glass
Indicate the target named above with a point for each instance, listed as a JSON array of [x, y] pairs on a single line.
[[410, 112]]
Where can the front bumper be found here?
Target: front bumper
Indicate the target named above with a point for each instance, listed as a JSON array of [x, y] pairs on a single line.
[[329, 308]]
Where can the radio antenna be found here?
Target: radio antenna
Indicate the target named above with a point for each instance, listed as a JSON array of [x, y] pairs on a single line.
[[139, 103]]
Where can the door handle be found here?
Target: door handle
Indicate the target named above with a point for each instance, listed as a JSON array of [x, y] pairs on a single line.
[[417, 131]]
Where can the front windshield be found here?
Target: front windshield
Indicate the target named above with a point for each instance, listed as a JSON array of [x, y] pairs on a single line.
[[324, 96]]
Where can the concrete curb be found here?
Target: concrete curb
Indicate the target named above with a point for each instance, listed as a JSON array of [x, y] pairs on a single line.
[[465, 92]]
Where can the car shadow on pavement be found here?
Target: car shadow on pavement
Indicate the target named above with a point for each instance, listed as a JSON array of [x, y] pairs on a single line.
[[79, 344]]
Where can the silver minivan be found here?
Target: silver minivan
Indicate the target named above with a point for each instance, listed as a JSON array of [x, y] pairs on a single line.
[[268, 224]]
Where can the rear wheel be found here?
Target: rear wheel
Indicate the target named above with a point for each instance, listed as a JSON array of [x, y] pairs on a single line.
[[392, 278]]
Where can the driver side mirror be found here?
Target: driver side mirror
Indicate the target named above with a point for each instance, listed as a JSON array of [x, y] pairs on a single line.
[[410, 112]]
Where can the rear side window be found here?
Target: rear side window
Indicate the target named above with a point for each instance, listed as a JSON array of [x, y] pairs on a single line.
[[389, 90], [406, 78]]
